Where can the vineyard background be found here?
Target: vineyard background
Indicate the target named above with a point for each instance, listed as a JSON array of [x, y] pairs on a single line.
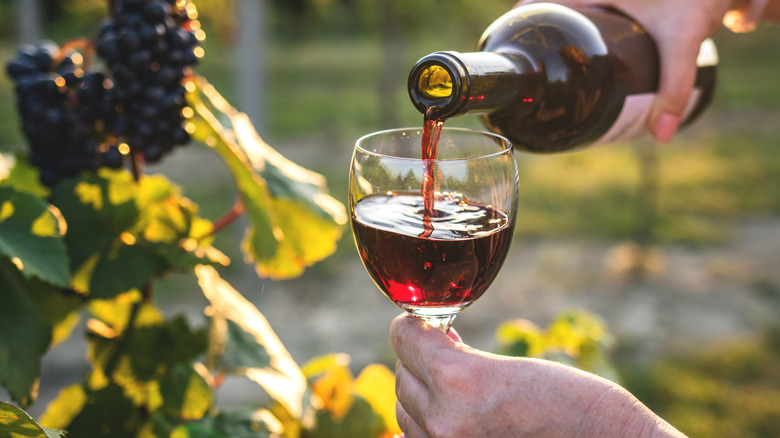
[[676, 247]]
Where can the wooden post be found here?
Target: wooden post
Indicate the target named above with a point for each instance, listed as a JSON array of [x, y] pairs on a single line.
[[28, 20], [392, 73], [252, 50]]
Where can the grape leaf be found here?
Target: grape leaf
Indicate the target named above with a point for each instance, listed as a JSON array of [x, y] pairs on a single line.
[[59, 307], [360, 420], [155, 349], [124, 233], [123, 267], [294, 222], [151, 347], [31, 235], [15, 423], [98, 209], [232, 424], [282, 379], [376, 384], [170, 221], [334, 389], [577, 338], [186, 394], [94, 413], [260, 234], [26, 335], [242, 350], [17, 172]]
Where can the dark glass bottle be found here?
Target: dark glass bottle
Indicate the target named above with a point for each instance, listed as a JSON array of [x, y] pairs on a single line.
[[551, 79]]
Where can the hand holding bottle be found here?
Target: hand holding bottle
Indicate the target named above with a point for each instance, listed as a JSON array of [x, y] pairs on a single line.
[[678, 28]]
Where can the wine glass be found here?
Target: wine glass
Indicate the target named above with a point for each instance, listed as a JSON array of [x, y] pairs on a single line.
[[433, 260]]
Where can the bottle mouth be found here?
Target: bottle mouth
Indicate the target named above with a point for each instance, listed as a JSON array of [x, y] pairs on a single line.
[[434, 82], [437, 84]]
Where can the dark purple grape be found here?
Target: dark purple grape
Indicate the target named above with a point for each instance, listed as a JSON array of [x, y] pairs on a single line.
[[157, 50], [113, 158], [63, 110]]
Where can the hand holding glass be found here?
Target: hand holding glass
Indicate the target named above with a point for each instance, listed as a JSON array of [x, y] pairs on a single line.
[[433, 263]]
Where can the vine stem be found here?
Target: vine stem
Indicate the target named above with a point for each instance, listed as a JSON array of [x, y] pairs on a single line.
[[82, 44], [138, 165], [230, 216]]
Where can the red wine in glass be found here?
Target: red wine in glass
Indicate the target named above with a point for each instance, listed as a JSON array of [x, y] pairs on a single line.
[[432, 269], [433, 227]]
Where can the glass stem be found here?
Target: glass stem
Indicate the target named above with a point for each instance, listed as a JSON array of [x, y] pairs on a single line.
[[441, 322]]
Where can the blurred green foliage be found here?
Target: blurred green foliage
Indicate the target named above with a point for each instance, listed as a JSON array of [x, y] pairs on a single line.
[[727, 390]]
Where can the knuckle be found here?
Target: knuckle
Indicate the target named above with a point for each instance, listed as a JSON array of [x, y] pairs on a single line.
[[441, 428], [454, 375]]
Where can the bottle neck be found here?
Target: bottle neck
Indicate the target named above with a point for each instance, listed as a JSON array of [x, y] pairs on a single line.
[[475, 83]]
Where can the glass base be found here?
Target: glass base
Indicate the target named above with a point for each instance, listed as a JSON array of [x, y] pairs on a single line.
[[439, 317]]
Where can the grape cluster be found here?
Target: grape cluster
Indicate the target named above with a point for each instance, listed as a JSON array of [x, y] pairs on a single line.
[[67, 113], [76, 119], [149, 46]]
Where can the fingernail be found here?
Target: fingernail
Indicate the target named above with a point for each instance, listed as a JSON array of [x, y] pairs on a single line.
[[665, 127]]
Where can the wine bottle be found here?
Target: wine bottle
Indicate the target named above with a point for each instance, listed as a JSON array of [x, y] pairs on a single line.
[[551, 78]]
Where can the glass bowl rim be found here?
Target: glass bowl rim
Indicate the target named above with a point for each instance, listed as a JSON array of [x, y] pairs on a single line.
[[507, 149]]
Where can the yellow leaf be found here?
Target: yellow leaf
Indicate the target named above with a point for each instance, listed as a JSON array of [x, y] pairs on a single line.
[[89, 194], [61, 412], [376, 384], [283, 380], [305, 239], [6, 210], [334, 389], [321, 364], [521, 331], [140, 392]]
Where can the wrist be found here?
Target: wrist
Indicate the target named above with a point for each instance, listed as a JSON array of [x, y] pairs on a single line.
[[744, 15], [618, 413]]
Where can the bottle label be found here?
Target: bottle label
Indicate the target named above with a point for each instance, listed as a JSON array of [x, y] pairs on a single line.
[[631, 123]]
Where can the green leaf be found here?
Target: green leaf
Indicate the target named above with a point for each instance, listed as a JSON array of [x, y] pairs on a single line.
[[26, 335], [360, 421], [17, 172], [282, 379], [151, 347], [59, 307], [171, 223], [577, 338], [124, 267], [94, 413], [31, 235], [259, 236], [154, 350], [232, 424], [15, 423], [98, 209], [124, 234], [242, 350], [186, 394], [116, 312], [293, 222]]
